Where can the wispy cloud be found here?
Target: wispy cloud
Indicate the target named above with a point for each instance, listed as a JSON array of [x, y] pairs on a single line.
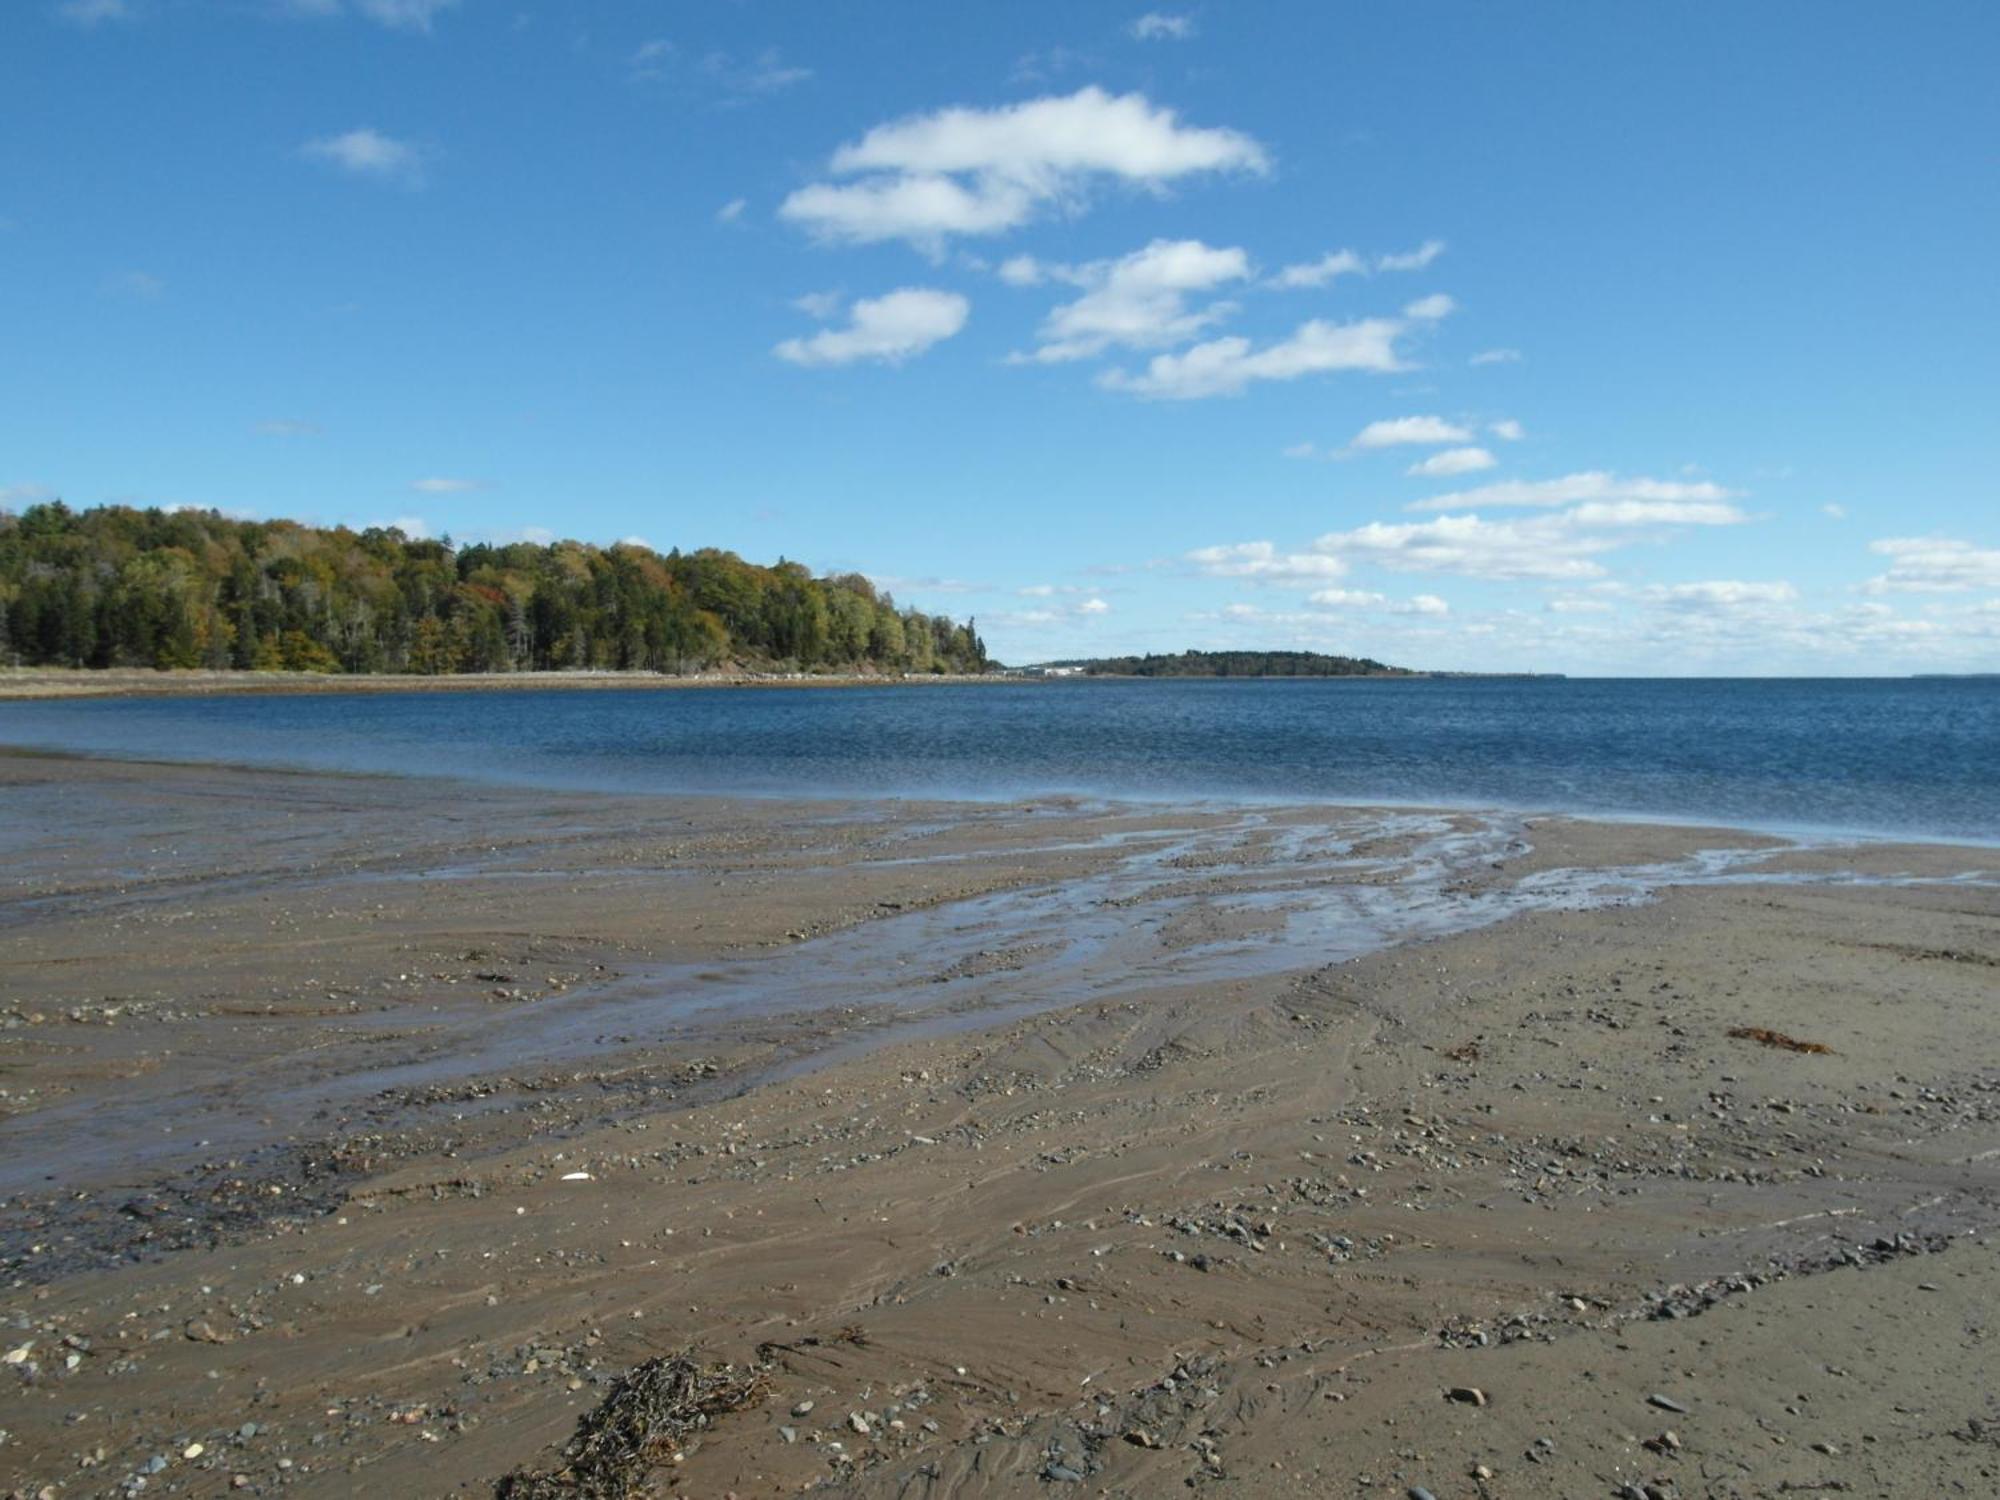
[[732, 211], [367, 152], [142, 285], [1935, 565], [1227, 366], [1496, 357], [887, 329], [963, 171], [1411, 260], [1453, 461], [442, 486], [1591, 485], [89, 13], [1162, 26]]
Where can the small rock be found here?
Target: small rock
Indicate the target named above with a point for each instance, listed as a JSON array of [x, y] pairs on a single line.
[[1468, 1395], [789, 1434], [1062, 1473], [858, 1422], [193, 1450], [1666, 1403], [1418, 1492], [801, 1408]]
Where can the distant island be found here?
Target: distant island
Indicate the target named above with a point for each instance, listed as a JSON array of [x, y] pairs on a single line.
[[1245, 664], [1222, 664], [115, 586]]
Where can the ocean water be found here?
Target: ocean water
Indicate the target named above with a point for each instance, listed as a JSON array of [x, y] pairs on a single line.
[[1910, 757]]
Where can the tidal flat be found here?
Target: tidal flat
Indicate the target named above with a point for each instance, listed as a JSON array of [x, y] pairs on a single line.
[[370, 1131]]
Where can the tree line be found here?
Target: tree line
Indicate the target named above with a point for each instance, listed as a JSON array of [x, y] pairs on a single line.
[[115, 586]]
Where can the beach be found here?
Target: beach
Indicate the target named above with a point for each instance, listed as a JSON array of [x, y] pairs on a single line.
[[368, 1131]]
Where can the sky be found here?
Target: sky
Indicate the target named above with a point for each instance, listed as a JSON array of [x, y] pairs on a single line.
[[1615, 339]]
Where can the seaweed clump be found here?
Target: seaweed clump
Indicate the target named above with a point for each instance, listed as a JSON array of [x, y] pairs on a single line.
[[643, 1423]]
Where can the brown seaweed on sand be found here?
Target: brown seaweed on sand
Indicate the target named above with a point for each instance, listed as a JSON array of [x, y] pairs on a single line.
[[650, 1412], [1772, 1038]]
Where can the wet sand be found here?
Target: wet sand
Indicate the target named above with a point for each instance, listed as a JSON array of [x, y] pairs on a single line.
[[363, 1132]]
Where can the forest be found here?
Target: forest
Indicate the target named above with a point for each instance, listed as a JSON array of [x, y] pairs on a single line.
[[115, 586], [1236, 664]]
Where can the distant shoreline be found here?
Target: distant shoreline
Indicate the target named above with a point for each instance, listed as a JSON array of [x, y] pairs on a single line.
[[44, 683]]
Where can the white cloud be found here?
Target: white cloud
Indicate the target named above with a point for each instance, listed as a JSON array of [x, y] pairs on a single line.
[[731, 211], [1263, 561], [1423, 604], [1329, 267], [1093, 607], [1022, 270], [1542, 547], [819, 305], [440, 486], [408, 15], [95, 12], [1720, 594], [890, 328], [1432, 308], [1411, 260], [1392, 431], [1346, 598], [1158, 26], [965, 171], [1835, 511], [289, 427], [414, 527], [1224, 367], [1935, 564], [1453, 461], [1496, 357], [1138, 301], [1591, 485], [1507, 430], [767, 73], [1301, 450], [366, 152]]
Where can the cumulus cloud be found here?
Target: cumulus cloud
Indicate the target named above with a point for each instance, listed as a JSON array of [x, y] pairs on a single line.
[[890, 329], [1226, 366], [1507, 430], [1590, 485], [1092, 607], [1263, 561], [1453, 461], [819, 305], [1541, 547], [1158, 26], [1346, 598], [1137, 301], [965, 171], [366, 152], [1934, 564], [1431, 309], [1391, 431]]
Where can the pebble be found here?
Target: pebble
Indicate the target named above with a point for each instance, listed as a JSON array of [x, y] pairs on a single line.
[[801, 1408], [1418, 1492], [1469, 1395], [1666, 1403], [1062, 1473]]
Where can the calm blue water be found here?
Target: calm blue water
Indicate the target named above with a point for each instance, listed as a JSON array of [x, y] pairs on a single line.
[[1886, 756]]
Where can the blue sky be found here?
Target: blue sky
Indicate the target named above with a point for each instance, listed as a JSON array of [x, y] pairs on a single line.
[[1616, 338]]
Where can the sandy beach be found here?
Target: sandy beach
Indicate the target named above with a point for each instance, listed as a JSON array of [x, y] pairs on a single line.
[[369, 1133]]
